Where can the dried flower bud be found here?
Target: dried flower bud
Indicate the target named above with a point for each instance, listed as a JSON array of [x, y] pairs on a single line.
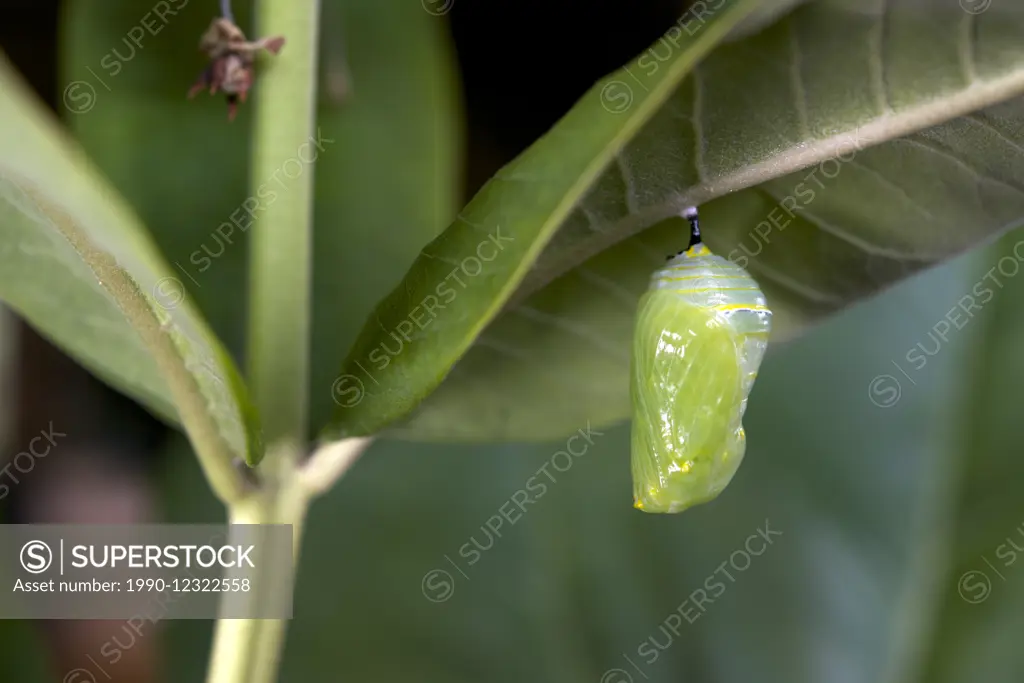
[[231, 62]]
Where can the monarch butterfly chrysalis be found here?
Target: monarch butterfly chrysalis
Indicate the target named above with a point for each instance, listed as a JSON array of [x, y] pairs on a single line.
[[701, 332]]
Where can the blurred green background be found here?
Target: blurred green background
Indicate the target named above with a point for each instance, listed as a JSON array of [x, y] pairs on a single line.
[[890, 481]]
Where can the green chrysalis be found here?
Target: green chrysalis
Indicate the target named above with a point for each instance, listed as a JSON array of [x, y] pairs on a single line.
[[701, 331]]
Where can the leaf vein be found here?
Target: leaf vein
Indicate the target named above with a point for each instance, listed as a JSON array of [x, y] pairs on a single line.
[[578, 331]]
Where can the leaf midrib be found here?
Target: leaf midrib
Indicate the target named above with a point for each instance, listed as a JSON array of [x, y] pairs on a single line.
[[599, 161], [885, 128], [192, 405]]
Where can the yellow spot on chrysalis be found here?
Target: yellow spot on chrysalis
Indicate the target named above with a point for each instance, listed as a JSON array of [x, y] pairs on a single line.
[[687, 328], [740, 307]]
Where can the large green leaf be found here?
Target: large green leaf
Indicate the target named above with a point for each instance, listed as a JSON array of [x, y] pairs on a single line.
[[982, 521], [910, 113], [386, 182], [77, 264], [882, 507], [461, 279]]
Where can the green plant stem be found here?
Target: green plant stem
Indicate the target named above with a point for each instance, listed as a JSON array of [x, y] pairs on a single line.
[[281, 246], [249, 650]]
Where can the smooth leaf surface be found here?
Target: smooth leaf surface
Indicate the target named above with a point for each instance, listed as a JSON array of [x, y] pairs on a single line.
[[386, 168], [983, 519], [462, 278], [79, 266], [879, 506], [912, 122]]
